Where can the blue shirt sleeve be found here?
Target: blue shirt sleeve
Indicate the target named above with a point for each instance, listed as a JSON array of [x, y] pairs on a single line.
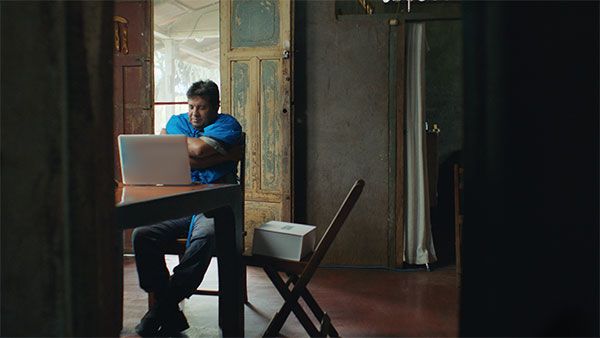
[[179, 125], [226, 129]]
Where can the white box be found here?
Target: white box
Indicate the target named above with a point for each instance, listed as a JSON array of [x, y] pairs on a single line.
[[291, 241]]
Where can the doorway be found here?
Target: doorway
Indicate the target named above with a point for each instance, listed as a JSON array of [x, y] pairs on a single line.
[[186, 49]]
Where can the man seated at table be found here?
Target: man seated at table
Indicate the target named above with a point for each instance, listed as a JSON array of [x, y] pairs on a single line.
[[213, 146]]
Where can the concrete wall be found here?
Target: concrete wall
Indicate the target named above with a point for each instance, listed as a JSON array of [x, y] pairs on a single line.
[[341, 98], [342, 93]]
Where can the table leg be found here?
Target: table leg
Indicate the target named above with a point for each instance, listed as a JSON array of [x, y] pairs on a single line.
[[231, 303], [119, 280]]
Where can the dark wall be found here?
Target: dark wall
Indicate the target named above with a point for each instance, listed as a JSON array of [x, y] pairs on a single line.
[[444, 83], [353, 7], [60, 254], [530, 234], [444, 106]]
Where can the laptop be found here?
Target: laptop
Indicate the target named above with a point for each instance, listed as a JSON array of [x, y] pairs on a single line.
[[154, 160]]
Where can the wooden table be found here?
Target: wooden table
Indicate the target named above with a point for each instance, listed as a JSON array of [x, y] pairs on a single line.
[[143, 205]]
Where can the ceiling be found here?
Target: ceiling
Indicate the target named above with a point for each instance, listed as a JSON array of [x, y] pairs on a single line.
[[191, 27]]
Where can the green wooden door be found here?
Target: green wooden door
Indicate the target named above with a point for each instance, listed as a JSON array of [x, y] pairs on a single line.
[[256, 85]]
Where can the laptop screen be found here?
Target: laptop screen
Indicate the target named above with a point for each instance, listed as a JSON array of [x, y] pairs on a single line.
[[154, 160]]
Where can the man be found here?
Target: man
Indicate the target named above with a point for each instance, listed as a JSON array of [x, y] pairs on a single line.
[[213, 145]]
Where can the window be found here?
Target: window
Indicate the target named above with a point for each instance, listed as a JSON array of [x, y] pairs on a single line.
[[186, 49]]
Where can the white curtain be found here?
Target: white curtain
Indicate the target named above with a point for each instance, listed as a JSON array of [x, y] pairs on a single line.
[[418, 242]]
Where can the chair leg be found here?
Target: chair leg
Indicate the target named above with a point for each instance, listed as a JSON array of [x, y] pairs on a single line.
[[277, 321], [290, 304], [281, 316], [326, 327], [245, 283], [151, 300], [291, 279], [321, 316]]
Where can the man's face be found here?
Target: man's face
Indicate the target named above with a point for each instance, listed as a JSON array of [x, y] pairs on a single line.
[[200, 113]]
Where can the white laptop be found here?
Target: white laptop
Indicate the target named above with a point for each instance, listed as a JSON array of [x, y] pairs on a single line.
[[154, 160]]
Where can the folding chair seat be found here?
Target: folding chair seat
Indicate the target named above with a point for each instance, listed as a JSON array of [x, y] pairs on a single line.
[[178, 246], [299, 275]]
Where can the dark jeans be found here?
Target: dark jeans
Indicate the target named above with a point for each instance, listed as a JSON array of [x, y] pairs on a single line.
[[149, 243]]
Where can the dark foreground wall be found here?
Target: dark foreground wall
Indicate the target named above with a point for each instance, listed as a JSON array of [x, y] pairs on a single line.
[[530, 235], [60, 259]]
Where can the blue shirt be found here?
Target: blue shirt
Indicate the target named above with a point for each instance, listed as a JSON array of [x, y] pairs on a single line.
[[225, 129]]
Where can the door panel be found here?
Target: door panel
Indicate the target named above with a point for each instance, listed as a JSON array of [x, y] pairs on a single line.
[[133, 77], [255, 24], [256, 87], [271, 127], [132, 72]]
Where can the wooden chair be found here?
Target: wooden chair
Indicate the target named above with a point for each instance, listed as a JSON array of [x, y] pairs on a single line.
[[300, 273], [178, 246]]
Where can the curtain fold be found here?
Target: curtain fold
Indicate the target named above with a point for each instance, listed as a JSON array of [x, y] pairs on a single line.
[[418, 241]]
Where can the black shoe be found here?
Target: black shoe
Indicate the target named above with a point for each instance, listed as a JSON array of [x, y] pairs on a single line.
[[149, 324], [174, 322]]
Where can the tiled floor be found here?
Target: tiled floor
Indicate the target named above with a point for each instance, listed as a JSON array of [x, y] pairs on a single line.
[[361, 303]]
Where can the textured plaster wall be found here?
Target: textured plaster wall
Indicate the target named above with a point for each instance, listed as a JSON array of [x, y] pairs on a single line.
[[342, 122]]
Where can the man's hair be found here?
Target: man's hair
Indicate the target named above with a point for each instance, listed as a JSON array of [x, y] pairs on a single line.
[[206, 89]]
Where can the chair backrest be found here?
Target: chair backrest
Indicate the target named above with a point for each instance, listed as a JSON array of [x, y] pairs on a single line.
[[243, 165], [458, 217], [331, 232], [458, 194], [243, 186]]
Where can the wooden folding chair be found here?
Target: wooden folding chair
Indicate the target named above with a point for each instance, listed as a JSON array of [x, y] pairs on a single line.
[[300, 273]]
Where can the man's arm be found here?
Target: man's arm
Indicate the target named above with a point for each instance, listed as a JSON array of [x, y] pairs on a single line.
[[234, 154], [198, 148], [204, 155]]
